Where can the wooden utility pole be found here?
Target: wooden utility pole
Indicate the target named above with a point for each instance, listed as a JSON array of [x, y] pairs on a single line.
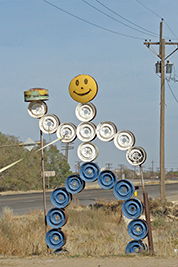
[[67, 147], [108, 165], [43, 180], [161, 55], [152, 169], [67, 151], [162, 121]]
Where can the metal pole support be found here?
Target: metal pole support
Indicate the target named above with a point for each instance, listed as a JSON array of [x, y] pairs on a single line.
[[43, 184], [147, 215]]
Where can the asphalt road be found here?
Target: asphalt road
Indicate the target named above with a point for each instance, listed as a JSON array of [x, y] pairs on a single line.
[[23, 203]]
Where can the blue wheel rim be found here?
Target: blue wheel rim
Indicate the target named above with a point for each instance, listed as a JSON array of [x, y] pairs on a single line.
[[132, 208], [56, 218], [89, 171], [74, 184], [135, 247], [55, 239], [61, 198], [123, 189], [137, 229], [107, 179]]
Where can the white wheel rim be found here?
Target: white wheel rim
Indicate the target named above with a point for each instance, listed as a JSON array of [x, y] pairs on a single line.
[[86, 131], [37, 109], [68, 131], [136, 156], [49, 123], [106, 131], [87, 152], [124, 140], [85, 112]]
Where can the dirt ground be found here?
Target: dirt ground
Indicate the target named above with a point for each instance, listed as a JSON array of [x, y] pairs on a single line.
[[128, 261]]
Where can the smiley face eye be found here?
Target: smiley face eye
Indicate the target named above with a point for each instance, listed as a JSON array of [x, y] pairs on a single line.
[[77, 82], [86, 81]]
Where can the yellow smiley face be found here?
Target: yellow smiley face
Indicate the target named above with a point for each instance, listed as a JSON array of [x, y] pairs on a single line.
[[83, 88]]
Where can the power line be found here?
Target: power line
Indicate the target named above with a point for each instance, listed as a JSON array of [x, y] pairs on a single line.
[[170, 30], [114, 18], [116, 13], [158, 17], [172, 91], [91, 23], [149, 9]]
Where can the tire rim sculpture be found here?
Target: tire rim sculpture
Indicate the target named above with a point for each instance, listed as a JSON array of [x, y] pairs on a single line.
[[37, 109], [74, 184], [123, 189], [87, 151], [83, 89], [49, 123], [89, 171], [85, 111], [124, 140], [106, 131], [67, 131], [107, 179], [86, 131], [56, 218], [132, 208]]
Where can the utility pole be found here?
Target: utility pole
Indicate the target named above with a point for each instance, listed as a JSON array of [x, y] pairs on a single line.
[[108, 166], [152, 169], [161, 69], [67, 151], [67, 147], [121, 169], [77, 166], [43, 180]]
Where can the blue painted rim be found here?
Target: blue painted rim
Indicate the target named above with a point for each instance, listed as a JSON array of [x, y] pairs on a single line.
[[135, 247], [56, 218], [55, 239], [123, 189], [89, 171], [137, 229], [132, 208], [60, 197], [74, 184], [107, 179]]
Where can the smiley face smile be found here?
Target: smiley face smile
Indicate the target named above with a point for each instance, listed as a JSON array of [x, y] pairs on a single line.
[[83, 93]]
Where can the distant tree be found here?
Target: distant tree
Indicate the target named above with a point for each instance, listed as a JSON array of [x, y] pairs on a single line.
[[56, 161], [26, 175]]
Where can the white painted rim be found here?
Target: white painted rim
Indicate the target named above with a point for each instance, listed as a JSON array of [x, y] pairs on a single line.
[[86, 131], [106, 131], [87, 152], [124, 140], [37, 109], [49, 123], [68, 131], [85, 111]]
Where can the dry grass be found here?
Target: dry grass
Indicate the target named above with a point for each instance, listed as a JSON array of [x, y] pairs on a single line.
[[96, 231], [91, 231], [22, 235], [164, 227]]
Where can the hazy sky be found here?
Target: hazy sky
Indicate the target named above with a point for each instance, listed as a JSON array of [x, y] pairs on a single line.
[[43, 46]]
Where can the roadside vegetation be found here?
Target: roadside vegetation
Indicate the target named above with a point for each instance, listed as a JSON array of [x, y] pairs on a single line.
[[98, 230], [26, 175]]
